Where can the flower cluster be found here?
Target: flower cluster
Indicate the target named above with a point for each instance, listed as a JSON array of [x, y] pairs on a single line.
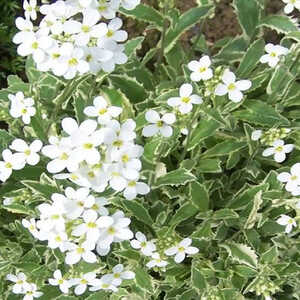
[[99, 156], [70, 40], [25, 154], [21, 107], [23, 287], [89, 280], [149, 249]]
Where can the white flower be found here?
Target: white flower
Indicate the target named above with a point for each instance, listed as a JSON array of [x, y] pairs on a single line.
[[288, 222], [159, 124], [62, 155], [129, 4], [147, 247], [134, 187], [91, 225], [26, 32], [10, 162], [107, 9], [21, 107], [273, 54], [31, 292], [256, 135], [83, 282], [99, 206], [102, 110], [58, 279], [83, 251], [232, 87], [8, 201], [279, 150], [181, 249], [31, 226], [201, 69], [291, 179], [29, 153], [104, 283], [58, 240], [30, 9], [117, 232], [113, 32], [21, 285], [156, 261], [118, 275], [186, 100], [290, 5]]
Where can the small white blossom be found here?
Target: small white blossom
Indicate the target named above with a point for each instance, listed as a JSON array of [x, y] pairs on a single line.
[[83, 251], [291, 179], [104, 283], [291, 5], [147, 247], [288, 222], [32, 292], [29, 153], [10, 162], [102, 110], [83, 282], [279, 150], [30, 9], [156, 261], [201, 69], [186, 100], [232, 87], [273, 54], [21, 285], [119, 274], [58, 279], [21, 107], [31, 226], [181, 249], [256, 135], [159, 124]]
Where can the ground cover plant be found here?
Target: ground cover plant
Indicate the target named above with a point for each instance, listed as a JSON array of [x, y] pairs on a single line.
[[139, 171]]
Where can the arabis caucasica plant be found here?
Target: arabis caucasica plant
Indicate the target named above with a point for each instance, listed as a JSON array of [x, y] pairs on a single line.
[[160, 173]]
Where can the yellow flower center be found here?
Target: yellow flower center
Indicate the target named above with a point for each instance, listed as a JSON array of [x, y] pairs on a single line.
[[89, 58], [58, 239], [83, 281], [125, 158], [231, 87], [116, 174], [19, 282], [181, 249], [290, 221], [105, 286], [131, 183], [49, 23], [85, 28], [91, 225], [294, 177], [91, 174], [74, 177], [8, 165], [186, 99], [73, 62], [79, 250], [273, 54], [118, 143], [34, 45], [31, 227], [88, 146], [102, 111], [64, 156], [202, 69], [55, 55], [102, 8], [60, 281], [95, 206], [27, 152], [143, 244], [23, 111], [279, 149], [110, 33], [55, 217], [160, 123], [80, 203], [111, 230], [117, 275]]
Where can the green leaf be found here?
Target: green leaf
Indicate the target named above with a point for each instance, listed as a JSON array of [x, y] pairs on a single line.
[[199, 196], [242, 253], [251, 58], [209, 166], [184, 212], [252, 218], [138, 211], [270, 256], [128, 254], [5, 139], [282, 24], [198, 280], [45, 189], [36, 123], [248, 13], [247, 196], [244, 271], [205, 129], [143, 280], [225, 213], [130, 87], [176, 177], [224, 148], [295, 35], [18, 209], [260, 113], [132, 45], [145, 13], [187, 20], [63, 297]]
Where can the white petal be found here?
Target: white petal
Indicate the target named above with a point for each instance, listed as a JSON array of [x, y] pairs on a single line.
[[69, 125], [80, 289], [235, 96], [174, 101], [36, 146], [228, 77], [221, 90], [166, 131], [149, 130], [191, 250], [135, 244], [185, 90], [288, 148], [169, 118], [243, 85], [89, 257], [33, 159], [195, 99], [185, 242], [268, 151], [140, 236], [152, 116], [171, 251], [279, 157], [179, 257], [19, 145], [284, 177]]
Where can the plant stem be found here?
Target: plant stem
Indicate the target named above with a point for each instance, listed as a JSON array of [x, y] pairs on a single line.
[[163, 35]]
